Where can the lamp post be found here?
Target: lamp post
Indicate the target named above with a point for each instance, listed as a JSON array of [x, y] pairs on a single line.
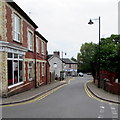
[[90, 23], [62, 65]]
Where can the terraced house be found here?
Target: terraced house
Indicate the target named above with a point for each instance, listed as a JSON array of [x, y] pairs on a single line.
[[23, 51]]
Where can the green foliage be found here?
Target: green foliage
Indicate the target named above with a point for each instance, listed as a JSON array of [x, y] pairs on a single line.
[[106, 56], [85, 57]]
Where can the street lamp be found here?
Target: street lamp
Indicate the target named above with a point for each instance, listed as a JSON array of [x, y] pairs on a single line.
[[90, 23], [62, 65]]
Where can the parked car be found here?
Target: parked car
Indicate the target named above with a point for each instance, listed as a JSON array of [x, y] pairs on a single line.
[[80, 74], [89, 73]]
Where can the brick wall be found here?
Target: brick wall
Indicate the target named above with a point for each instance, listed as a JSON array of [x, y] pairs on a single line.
[[9, 24]]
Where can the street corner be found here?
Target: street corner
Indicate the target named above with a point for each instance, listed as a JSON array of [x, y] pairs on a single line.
[[97, 93]]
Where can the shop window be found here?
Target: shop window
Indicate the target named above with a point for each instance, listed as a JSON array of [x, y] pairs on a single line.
[[10, 72], [15, 69]]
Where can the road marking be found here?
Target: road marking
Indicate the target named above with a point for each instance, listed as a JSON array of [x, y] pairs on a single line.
[[86, 90], [94, 97], [114, 112], [100, 116], [70, 80], [102, 107], [36, 99]]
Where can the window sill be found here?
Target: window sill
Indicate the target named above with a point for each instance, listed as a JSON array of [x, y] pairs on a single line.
[[15, 85], [30, 80], [30, 50], [17, 41]]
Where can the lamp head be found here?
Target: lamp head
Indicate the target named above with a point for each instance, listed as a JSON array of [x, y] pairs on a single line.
[[90, 22]]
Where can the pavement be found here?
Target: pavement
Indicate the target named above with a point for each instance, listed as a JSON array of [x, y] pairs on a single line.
[[102, 94], [34, 93]]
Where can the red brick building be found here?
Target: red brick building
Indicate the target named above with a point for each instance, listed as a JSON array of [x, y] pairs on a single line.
[[23, 51]]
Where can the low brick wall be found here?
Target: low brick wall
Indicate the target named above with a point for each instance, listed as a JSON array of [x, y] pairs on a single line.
[[113, 88]]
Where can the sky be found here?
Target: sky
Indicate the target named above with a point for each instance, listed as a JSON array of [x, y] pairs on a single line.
[[64, 23]]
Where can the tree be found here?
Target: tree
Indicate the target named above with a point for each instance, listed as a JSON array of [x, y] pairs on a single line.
[[110, 54], [85, 57]]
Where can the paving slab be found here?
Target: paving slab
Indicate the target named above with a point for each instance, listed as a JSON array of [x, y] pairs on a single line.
[[102, 94], [33, 93]]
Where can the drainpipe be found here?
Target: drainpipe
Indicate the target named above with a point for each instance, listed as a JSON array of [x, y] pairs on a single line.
[[46, 64], [35, 58]]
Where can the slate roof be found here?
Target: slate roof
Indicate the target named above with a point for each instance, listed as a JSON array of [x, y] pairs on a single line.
[[21, 12], [37, 33], [49, 56], [69, 61], [65, 60]]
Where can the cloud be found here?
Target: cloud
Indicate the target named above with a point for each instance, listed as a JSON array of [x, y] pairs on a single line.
[[64, 22]]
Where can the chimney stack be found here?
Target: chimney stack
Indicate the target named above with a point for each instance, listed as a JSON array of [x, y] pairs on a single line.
[[57, 53]]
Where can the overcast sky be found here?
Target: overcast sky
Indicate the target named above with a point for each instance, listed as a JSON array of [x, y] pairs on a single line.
[[64, 23]]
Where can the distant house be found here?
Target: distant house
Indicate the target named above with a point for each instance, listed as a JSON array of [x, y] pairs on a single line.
[[70, 67], [62, 66], [56, 64]]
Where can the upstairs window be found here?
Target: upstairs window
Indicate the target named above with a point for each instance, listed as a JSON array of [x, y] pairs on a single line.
[[17, 25], [37, 45], [55, 65], [43, 69], [43, 48], [30, 41]]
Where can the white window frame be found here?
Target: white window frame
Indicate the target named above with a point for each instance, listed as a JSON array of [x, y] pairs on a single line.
[[37, 45], [17, 59], [30, 67], [55, 65], [30, 40], [17, 28], [43, 69], [43, 48]]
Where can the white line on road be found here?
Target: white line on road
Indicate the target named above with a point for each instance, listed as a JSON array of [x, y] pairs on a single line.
[[102, 110], [100, 116], [113, 110]]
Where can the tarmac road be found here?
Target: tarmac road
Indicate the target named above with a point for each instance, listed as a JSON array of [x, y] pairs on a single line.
[[69, 101]]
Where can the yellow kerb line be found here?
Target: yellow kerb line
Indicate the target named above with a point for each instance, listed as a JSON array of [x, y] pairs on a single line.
[[36, 99], [92, 96]]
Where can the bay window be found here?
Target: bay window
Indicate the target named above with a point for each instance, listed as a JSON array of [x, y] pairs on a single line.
[[15, 69]]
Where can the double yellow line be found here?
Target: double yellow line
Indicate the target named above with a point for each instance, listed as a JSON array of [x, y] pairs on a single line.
[[87, 91], [36, 99], [94, 97]]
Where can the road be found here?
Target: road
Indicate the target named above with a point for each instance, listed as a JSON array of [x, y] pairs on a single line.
[[70, 101]]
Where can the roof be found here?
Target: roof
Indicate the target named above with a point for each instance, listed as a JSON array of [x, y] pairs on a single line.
[[68, 61], [49, 56], [37, 33], [21, 12]]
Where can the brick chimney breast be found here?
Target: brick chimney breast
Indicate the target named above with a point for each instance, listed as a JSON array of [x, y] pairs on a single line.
[[56, 53]]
